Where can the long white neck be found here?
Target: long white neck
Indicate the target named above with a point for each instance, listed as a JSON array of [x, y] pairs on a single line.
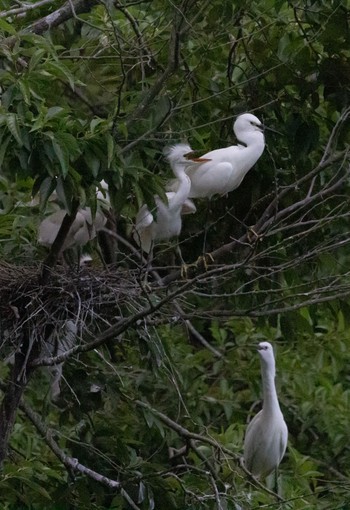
[[183, 189], [270, 403], [252, 138]]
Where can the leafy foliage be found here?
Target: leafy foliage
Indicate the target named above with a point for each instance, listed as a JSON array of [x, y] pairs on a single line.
[[159, 408]]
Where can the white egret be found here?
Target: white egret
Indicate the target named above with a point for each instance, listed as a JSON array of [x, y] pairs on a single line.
[[83, 229], [267, 434], [166, 221], [224, 169]]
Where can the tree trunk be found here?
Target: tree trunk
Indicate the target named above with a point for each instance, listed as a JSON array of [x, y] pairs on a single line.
[[17, 381]]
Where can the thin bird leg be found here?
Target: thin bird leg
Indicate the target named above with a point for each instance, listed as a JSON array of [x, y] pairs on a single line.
[[277, 483], [252, 235], [149, 263], [203, 260], [184, 266], [179, 253], [206, 226], [272, 482], [101, 257]]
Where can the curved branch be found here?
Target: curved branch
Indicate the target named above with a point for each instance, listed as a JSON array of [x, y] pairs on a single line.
[[61, 15], [24, 8], [192, 436]]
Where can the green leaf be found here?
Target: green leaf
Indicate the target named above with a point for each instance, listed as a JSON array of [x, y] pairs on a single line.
[[25, 90], [7, 27], [62, 156], [110, 149], [3, 149], [65, 192], [47, 187], [94, 123], [12, 124], [54, 111], [58, 69], [36, 58], [66, 150], [92, 162]]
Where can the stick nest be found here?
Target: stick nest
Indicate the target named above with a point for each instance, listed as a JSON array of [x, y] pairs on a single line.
[[92, 299]]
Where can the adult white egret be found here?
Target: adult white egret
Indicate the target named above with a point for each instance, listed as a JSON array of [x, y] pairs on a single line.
[[224, 169], [267, 434], [166, 221], [83, 229]]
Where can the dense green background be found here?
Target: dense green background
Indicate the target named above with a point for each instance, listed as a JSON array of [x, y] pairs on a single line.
[[99, 95]]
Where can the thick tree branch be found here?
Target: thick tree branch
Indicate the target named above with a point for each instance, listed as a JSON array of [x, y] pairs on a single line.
[[61, 15], [69, 462], [57, 245], [13, 391]]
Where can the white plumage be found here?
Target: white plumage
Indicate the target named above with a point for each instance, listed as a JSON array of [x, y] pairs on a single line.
[[165, 222], [224, 169], [267, 434], [102, 194], [83, 229]]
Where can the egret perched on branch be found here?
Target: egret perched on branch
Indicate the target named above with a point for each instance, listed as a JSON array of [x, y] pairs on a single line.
[[166, 221], [224, 169], [83, 229], [267, 434]]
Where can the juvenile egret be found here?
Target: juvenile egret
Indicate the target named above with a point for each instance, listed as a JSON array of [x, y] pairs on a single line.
[[267, 434], [83, 229], [167, 222], [224, 169]]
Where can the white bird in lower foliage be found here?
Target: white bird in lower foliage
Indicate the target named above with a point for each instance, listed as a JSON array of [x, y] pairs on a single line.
[[83, 229], [166, 221], [224, 169], [267, 434]]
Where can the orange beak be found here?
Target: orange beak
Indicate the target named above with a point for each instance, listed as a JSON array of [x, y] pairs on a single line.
[[190, 155], [200, 160]]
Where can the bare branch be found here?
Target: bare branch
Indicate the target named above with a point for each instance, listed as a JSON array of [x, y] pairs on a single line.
[[271, 216], [70, 463], [13, 392], [173, 60], [61, 15], [57, 245], [115, 330], [24, 8], [191, 437]]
